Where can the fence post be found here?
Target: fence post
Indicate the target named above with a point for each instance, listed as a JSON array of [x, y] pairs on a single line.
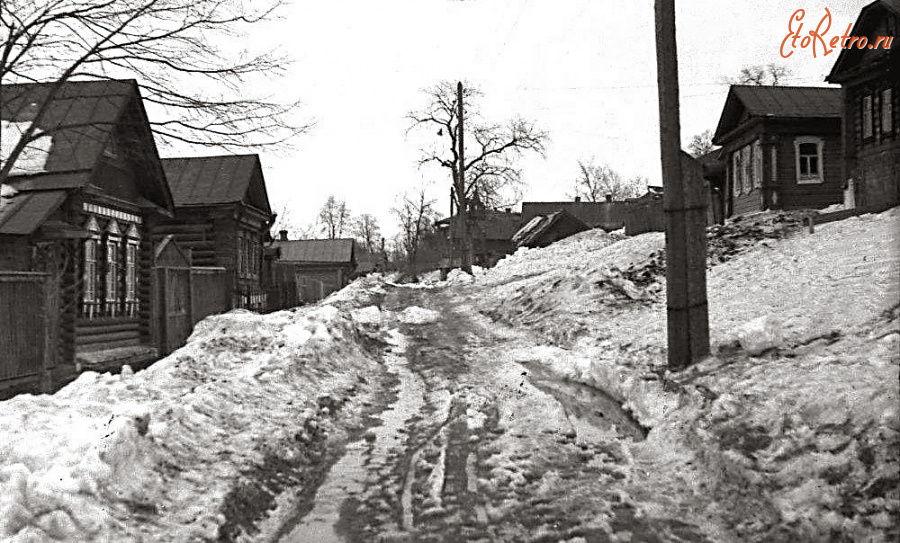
[[51, 330]]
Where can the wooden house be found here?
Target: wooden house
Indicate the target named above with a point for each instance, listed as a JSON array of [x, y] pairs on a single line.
[[223, 216], [781, 147], [870, 79], [315, 267], [491, 231], [78, 207], [608, 215], [543, 230]]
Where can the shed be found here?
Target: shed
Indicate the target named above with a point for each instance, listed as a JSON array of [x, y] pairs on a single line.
[[316, 267], [546, 229]]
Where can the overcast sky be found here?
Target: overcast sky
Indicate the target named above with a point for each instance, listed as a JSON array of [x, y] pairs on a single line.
[[584, 70]]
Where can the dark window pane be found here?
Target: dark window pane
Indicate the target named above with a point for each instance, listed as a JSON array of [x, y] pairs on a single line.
[[814, 165], [808, 149]]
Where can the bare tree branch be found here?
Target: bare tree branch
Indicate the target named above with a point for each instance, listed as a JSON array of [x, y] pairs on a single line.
[[197, 88], [596, 182]]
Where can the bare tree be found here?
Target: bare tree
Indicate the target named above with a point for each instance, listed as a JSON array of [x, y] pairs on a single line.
[[759, 74], [701, 144], [415, 212], [367, 231], [596, 182], [489, 174], [179, 51], [334, 217]]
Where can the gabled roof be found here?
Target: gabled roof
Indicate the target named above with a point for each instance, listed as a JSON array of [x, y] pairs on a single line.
[[317, 251], [487, 224], [771, 101], [24, 212], [870, 18], [606, 215], [80, 119], [216, 180], [533, 233]]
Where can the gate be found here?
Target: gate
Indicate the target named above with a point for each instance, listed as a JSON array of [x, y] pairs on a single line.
[[28, 313], [173, 295], [175, 307]]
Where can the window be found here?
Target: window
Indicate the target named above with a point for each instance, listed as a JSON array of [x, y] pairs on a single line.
[[89, 295], [746, 169], [809, 159], [887, 112], [90, 304], [132, 244], [773, 179], [736, 173], [867, 128], [112, 275], [757, 173]]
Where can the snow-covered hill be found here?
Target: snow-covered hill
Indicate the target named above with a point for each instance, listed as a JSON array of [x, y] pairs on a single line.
[[811, 427]]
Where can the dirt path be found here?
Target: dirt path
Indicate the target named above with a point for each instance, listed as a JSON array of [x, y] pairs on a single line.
[[475, 445]]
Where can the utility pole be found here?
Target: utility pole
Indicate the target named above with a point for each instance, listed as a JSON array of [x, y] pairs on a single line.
[[462, 211], [685, 207]]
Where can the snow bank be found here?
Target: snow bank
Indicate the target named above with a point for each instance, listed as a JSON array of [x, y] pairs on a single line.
[[812, 424], [459, 277], [760, 335], [418, 315], [172, 441]]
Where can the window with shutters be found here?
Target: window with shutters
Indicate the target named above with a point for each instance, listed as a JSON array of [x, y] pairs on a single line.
[[867, 117], [887, 112]]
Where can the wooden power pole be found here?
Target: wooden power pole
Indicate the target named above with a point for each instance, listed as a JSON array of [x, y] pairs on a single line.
[[685, 208], [462, 211]]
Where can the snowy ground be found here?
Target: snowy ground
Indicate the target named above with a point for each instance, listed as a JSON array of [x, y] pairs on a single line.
[[163, 454], [810, 428], [491, 409]]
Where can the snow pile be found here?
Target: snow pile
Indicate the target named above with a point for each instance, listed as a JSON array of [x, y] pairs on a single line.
[[418, 315], [760, 335], [172, 441], [459, 277], [366, 290], [811, 425], [7, 191]]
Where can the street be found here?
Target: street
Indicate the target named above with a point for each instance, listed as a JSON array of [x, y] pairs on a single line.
[[476, 443]]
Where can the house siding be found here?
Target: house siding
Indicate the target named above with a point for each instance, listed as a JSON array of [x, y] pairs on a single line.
[[874, 162]]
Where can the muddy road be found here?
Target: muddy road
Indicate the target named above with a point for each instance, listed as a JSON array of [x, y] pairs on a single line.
[[476, 441]]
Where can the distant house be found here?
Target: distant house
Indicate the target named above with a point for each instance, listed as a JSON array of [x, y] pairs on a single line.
[[781, 147], [315, 267], [871, 82], [79, 206], [608, 215], [491, 231], [222, 215], [543, 230]]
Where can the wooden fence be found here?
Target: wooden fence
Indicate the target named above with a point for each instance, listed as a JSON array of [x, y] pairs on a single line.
[[282, 296], [209, 292], [28, 328], [645, 217]]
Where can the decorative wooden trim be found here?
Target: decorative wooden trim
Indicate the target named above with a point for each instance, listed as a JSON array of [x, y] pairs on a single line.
[[111, 213]]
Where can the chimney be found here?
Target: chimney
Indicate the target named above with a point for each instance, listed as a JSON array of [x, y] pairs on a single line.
[[282, 235], [577, 199], [609, 197], [509, 210]]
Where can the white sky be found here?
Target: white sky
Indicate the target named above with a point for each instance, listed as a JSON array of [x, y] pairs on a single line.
[[585, 70]]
